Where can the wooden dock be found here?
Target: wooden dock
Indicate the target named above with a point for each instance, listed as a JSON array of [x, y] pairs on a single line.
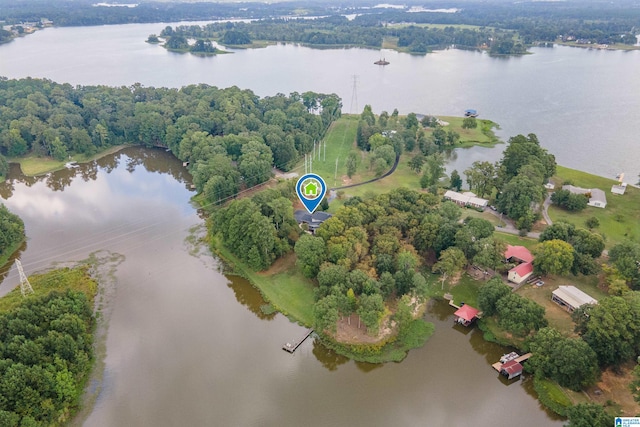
[[293, 346], [519, 359]]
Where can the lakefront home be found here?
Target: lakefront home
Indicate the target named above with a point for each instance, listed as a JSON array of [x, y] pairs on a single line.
[[597, 198]]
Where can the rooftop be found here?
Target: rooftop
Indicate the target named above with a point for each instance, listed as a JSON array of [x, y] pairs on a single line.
[[467, 313], [523, 269], [573, 296], [519, 252]]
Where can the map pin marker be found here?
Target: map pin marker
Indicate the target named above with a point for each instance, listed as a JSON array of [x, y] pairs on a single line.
[[311, 190]]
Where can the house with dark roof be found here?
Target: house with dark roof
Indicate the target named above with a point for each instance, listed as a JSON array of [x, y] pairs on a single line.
[[312, 221]]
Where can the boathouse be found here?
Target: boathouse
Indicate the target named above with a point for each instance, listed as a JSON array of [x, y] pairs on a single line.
[[465, 315], [571, 298], [511, 369]]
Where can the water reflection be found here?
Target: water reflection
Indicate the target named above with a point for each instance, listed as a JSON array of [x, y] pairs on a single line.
[[249, 296], [327, 357], [152, 159]]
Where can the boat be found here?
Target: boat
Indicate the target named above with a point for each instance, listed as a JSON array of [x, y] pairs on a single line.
[[471, 113], [382, 61], [509, 356]]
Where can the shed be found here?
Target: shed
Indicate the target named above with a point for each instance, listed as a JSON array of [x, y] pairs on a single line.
[[465, 315], [571, 297], [619, 189], [511, 369]]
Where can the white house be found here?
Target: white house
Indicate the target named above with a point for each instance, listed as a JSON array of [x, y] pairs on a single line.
[[597, 198], [466, 199]]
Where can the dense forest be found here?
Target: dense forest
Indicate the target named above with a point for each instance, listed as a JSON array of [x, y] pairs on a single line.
[[11, 232], [45, 356], [230, 137], [339, 31]]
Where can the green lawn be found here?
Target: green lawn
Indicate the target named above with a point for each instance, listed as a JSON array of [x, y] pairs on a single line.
[[55, 280], [288, 291], [331, 163], [34, 165], [620, 220], [514, 240], [466, 290], [481, 135]]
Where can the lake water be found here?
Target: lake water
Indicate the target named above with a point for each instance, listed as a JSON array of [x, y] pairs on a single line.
[[582, 104], [188, 346]]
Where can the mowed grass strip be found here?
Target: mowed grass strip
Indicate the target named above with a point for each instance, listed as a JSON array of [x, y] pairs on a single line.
[[339, 140], [288, 291], [620, 220]]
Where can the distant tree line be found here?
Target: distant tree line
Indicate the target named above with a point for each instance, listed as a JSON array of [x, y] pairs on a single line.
[[532, 21], [230, 137]]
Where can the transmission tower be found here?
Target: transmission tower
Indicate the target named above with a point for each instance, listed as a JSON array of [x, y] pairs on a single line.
[[354, 94], [25, 286]]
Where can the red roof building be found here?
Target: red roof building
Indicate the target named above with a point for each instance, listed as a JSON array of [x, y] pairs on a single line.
[[520, 253], [465, 315], [511, 369]]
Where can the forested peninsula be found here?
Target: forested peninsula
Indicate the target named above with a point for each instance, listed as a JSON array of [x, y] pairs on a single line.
[[369, 269]]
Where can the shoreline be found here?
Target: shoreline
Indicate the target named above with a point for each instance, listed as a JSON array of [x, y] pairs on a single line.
[[37, 166]]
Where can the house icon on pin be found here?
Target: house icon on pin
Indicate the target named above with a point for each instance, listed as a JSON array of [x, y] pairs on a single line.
[[311, 189]]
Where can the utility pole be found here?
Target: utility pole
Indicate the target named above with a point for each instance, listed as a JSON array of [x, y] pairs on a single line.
[[25, 286], [354, 94]]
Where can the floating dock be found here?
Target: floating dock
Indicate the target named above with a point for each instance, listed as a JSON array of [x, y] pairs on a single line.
[[293, 346]]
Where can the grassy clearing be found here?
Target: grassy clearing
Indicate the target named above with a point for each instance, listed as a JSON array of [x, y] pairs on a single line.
[[620, 220], [556, 315], [466, 290], [481, 135], [514, 240], [331, 164], [288, 291], [56, 280], [552, 395], [34, 165], [484, 215]]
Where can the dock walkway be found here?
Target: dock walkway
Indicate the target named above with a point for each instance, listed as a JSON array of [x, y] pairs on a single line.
[[519, 359], [293, 346]]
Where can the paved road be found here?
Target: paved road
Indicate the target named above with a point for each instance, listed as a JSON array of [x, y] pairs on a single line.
[[509, 226], [545, 207]]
